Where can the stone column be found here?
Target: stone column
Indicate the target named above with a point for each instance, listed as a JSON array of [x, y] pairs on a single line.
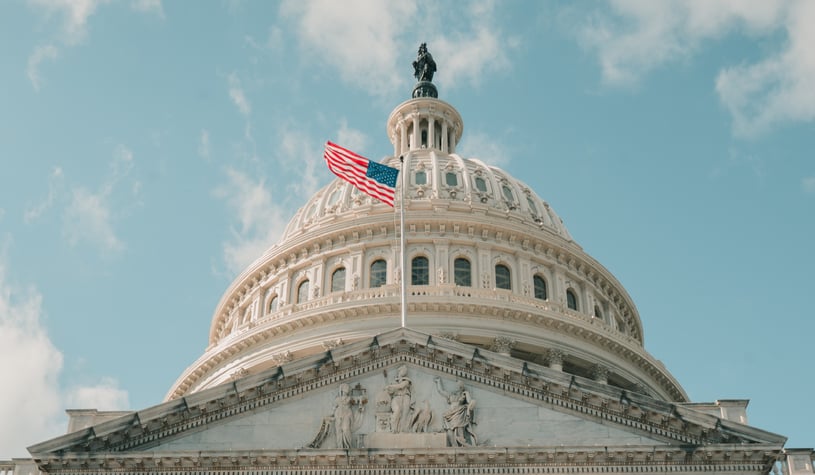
[[417, 136], [556, 360], [403, 138], [600, 374], [502, 345], [444, 142], [431, 132]]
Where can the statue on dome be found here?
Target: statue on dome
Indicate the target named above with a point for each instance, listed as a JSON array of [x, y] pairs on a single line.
[[424, 66]]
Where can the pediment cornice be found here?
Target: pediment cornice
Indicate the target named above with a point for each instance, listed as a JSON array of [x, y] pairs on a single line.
[[143, 430], [461, 460]]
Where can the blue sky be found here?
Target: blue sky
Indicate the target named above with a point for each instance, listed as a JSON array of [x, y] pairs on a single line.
[[150, 150]]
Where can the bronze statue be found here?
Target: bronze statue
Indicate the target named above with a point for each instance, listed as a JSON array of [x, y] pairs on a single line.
[[424, 66]]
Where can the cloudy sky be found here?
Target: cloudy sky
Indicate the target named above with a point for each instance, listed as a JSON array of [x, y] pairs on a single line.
[[150, 150]]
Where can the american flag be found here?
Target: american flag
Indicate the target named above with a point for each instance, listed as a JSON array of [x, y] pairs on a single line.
[[373, 179]]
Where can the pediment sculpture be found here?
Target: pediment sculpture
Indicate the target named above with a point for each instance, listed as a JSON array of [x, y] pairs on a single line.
[[399, 420]]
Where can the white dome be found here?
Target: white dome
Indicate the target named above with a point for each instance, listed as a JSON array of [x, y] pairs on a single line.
[[499, 192], [491, 265]]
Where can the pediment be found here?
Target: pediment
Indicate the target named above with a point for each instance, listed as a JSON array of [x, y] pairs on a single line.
[[300, 405]]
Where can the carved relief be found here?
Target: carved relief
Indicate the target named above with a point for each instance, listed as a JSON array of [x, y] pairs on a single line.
[[284, 357], [331, 344], [349, 407], [458, 418], [398, 395]]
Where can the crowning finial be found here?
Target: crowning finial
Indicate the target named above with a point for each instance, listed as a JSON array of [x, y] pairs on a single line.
[[423, 69]]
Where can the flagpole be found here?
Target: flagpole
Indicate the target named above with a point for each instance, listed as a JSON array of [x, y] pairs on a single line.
[[402, 243]]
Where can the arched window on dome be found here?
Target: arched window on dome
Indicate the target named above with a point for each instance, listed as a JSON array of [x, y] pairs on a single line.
[[597, 312], [420, 178], [503, 280], [273, 304], [419, 271], [532, 208], [379, 273], [302, 291], [462, 272], [338, 280], [571, 299], [508, 193], [451, 179], [539, 285], [480, 184]]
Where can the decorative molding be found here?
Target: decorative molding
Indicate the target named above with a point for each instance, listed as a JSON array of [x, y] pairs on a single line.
[[582, 398]]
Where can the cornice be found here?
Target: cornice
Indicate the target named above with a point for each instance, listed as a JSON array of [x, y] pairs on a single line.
[[632, 412], [475, 460], [448, 301]]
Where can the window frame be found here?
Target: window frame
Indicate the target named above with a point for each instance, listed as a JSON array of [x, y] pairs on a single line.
[[415, 277], [545, 290], [499, 284], [334, 279], [381, 275], [469, 272]]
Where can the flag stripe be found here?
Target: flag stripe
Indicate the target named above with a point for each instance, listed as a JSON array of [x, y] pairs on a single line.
[[353, 168]]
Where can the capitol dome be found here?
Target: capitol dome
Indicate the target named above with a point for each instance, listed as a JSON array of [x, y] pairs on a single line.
[[490, 265]]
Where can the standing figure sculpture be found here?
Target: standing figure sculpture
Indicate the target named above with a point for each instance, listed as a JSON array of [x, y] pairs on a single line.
[[458, 418], [343, 417], [399, 392], [424, 66]]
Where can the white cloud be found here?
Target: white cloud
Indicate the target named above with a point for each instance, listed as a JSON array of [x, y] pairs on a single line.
[[40, 54], [640, 35], [778, 89], [260, 219], [808, 184], [238, 96], [304, 158], [469, 54], [30, 365], [32, 402], [203, 144], [366, 40], [106, 396], [352, 139], [358, 37], [275, 39], [54, 185], [149, 6], [261, 204], [484, 147], [87, 217], [75, 15]]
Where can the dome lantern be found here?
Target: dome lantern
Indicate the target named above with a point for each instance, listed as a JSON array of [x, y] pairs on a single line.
[[424, 122]]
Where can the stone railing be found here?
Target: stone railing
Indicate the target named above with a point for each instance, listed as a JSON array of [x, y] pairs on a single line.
[[444, 293]]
